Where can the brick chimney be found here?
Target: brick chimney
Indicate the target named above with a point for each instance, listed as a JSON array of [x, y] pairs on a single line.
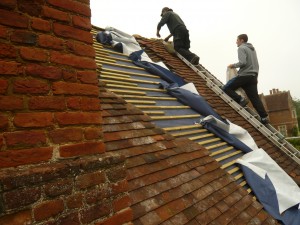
[[53, 164]]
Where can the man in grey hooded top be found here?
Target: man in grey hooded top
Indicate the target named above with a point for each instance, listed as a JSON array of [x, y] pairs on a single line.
[[246, 78], [177, 29]]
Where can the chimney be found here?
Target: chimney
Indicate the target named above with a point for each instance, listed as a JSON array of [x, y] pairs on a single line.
[[52, 151]]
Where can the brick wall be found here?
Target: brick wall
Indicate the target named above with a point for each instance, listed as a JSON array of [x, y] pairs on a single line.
[[50, 119]]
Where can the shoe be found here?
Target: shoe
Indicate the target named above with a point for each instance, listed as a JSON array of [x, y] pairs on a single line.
[[243, 102], [195, 60], [264, 120]]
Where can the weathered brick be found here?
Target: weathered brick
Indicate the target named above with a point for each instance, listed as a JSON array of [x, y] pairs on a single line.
[[83, 22], [33, 7], [48, 209], [48, 72], [30, 86], [98, 194], [25, 139], [40, 24], [60, 88], [73, 6], [72, 60], [70, 76], [4, 32], [81, 49], [70, 219], [75, 201], [90, 104], [123, 217], [26, 120], [17, 21], [3, 86], [71, 32], [81, 149], [3, 122], [22, 217], [1, 141], [93, 133], [7, 51], [121, 203], [21, 197], [48, 41], [24, 37], [73, 118], [11, 103], [11, 4], [88, 77], [66, 135], [9, 68], [34, 54], [25, 156], [55, 14], [120, 187], [95, 212], [116, 174], [47, 103], [91, 179], [74, 103], [60, 187]]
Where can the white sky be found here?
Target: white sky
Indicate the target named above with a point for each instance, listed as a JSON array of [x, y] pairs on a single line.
[[273, 27]]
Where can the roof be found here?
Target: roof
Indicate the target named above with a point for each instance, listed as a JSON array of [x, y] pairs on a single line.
[[278, 101], [173, 180]]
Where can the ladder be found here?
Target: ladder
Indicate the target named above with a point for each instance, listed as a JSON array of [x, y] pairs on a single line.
[[267, 130]]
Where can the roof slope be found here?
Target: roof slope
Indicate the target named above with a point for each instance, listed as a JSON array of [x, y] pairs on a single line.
[[156, 50], [171, 180], [278, 101]]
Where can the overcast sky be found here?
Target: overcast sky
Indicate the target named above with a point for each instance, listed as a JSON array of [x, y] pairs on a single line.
[[273, 27]]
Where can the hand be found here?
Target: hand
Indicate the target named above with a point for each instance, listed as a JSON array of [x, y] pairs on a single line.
[[166, 39], [157, 34], [230, 66]]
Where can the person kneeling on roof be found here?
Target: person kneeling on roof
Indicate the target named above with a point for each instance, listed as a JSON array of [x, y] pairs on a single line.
[[177, 29]]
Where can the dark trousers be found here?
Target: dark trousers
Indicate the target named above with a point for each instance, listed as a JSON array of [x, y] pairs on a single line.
[[249, 85], [182, 42]]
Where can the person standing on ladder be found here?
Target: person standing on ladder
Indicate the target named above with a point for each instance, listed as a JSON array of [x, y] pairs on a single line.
[[246, 78], [177, 29]]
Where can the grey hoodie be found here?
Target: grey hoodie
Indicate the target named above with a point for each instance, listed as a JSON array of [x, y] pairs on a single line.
[[248, 62]]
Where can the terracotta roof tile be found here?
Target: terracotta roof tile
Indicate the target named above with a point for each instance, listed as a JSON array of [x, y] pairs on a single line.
[[172, 180]]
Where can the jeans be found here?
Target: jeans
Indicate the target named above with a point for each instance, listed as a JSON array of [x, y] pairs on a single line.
[[249, 85]]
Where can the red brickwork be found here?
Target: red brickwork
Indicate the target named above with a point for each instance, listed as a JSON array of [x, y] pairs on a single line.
[[51, 120]]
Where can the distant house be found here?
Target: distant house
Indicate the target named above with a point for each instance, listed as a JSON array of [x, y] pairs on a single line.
[[282, 112]]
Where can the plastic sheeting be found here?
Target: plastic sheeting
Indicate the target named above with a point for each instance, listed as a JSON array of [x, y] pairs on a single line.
[[229, 132], [195, 101], [278, 193]]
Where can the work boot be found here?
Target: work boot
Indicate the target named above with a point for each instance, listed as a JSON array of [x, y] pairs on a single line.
[[243, 102], [264, 120], [195, 60]]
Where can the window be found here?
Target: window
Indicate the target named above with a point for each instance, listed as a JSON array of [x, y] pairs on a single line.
[[294, 114], [282, 130]]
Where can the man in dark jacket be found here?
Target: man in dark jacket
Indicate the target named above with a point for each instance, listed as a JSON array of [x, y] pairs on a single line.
[[246, 78], [181, 34]]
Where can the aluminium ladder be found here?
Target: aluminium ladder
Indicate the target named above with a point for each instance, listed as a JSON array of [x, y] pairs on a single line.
[[267, 130]]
